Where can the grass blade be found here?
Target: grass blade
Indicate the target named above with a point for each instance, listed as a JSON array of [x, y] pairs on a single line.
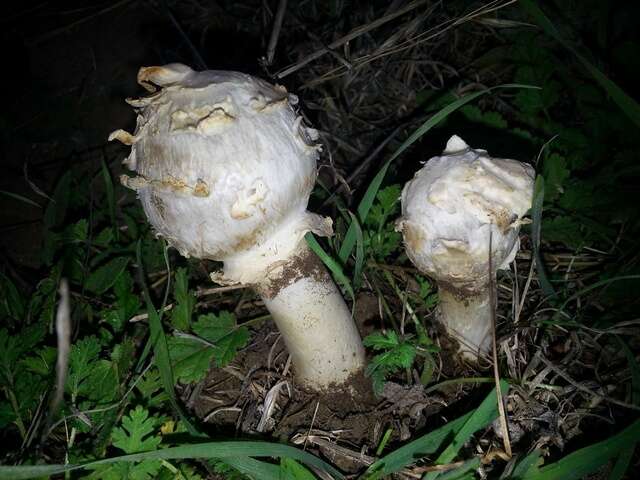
[[111, 200], [254, 468], [367, 200], [20, 198], [230, 452], [527, 465], [331, 264], [463, 472], [161, 349], [586, 460], [595, 285], [480, 418], [410, 453], [536, 227], [623, 461], [460, 429], [357, 272]]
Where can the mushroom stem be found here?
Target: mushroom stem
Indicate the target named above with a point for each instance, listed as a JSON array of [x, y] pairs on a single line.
[[313, 319], [467, 318]]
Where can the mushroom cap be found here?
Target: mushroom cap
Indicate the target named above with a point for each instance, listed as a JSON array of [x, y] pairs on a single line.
[[224, 164], [451, 207]]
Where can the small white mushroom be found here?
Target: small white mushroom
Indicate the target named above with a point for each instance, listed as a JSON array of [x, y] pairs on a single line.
[[221, 179], [450, 209]]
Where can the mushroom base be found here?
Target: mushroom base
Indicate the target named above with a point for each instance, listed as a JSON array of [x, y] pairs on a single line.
[[315, 323], [467, 318]]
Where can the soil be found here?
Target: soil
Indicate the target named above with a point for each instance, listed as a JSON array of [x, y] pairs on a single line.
[[344, 425]]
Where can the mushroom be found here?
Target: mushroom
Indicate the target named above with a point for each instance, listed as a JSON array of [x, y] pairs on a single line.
[[453, 209], [225, 167]]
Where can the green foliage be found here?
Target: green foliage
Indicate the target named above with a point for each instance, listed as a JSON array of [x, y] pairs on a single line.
[[427, 295], [218, 338], [184, 301], [580, 463], [380, 238], [397, 354], [12, 305], [226, 471], [105, 276], [451, 437], [137, 434], [292, 470], [126, 303], [21, 385]]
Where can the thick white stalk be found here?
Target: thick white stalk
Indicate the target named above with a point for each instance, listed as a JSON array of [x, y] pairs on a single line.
[[314, 321], [467, 318]]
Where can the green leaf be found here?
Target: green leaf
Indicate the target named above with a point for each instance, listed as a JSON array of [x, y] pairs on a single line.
[[410, 453], [331, 264], [555, 173], [536, 217], [228, 451], [12, 304], [145, 470], [221, 338], [190, 359], [565, 230], [184, 301], [585, 461], [150, 388], [432, 442], [136, 434], [13, 347], [7, 415], [76, 232], [481, 417], [463, 472], [111, 201], [104, 238], [101, 385], [292, 470], [359, 265], [489, 119], [105, 276], [127, 303], [398, 355], [158, 341], [43, 362], [381, 341], [528, 465], [81, 360], [43, 302], [621, 465], [57, 208], [427, 294]]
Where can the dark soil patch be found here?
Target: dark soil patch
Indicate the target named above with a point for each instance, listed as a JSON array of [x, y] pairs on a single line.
[[257, 395]]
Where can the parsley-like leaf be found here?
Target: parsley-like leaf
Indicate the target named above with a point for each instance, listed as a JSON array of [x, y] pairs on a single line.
[[136, 433]]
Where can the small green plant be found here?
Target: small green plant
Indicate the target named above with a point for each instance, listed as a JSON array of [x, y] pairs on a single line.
[[217, 338], [380, 238], [396, 354]]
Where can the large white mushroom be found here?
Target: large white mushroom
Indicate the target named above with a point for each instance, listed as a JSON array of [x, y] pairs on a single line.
[[225, 167], [450, 209]]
